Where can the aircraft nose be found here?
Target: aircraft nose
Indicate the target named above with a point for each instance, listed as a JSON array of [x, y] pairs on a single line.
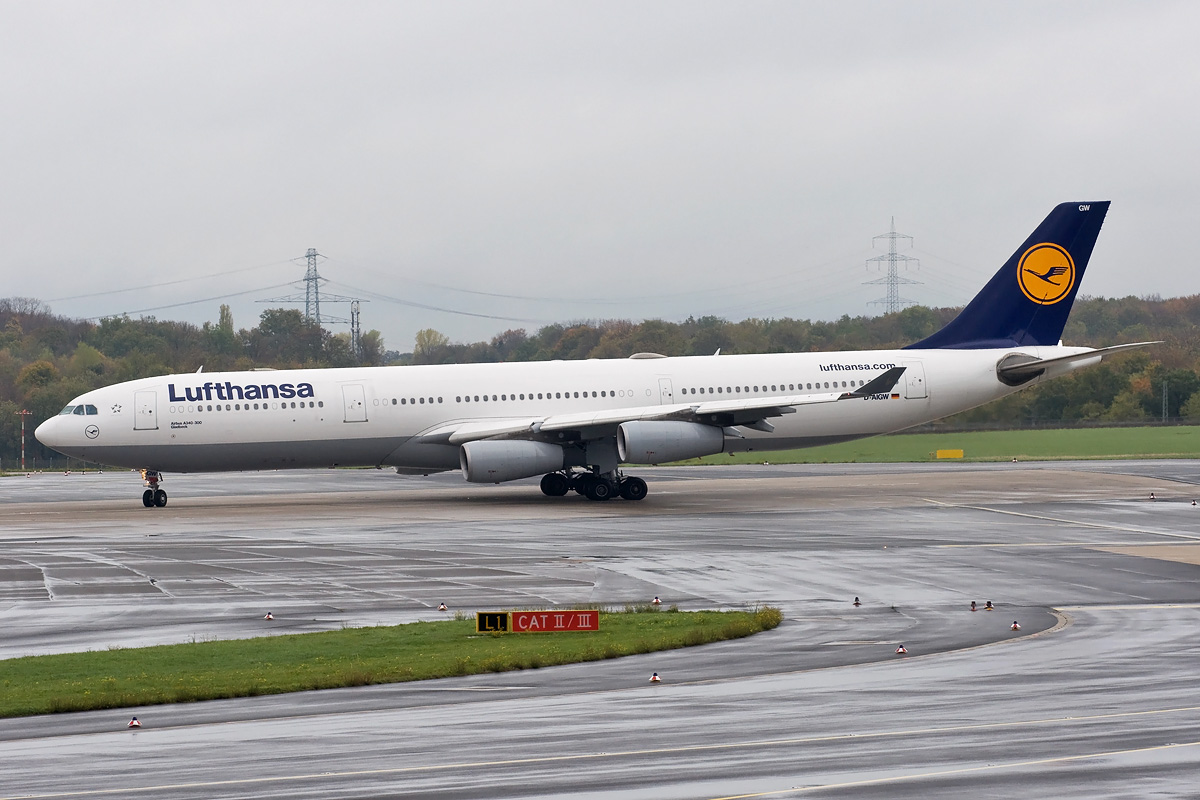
[[47, 433]]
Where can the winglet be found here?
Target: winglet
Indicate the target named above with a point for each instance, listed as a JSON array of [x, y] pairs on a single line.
[[881, 385]]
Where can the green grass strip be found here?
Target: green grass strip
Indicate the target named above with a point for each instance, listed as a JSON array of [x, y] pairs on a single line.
[[352, 657], [1182, 441]]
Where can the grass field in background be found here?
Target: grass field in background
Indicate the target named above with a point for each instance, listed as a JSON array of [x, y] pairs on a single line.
[[1031, 445], [352, 657]]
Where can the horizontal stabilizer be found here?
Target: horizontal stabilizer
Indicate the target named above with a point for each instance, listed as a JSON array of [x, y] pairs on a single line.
[[1024, 370]]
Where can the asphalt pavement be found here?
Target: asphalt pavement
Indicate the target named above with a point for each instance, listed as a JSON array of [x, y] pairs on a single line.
[[1092, 697]]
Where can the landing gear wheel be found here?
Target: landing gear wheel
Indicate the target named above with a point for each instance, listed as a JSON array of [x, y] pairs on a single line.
[[599, 489], [148, 498], [583, 483], [555, 484], [634, 489], [160, 498]]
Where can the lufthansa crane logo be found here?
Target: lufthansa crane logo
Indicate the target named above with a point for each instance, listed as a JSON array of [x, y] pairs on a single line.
[[1046, 273]]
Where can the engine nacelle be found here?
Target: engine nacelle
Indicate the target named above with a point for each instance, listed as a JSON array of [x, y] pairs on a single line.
[[498, 461], [648, 442]]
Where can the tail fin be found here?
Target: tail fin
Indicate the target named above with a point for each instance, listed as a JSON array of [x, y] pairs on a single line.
[[1027, 302]]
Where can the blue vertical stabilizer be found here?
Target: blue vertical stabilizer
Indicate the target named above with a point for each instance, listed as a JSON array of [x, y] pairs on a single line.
[[1027, 302]]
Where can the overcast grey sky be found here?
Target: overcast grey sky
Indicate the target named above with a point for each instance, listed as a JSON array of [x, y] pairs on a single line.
[[521, 163]]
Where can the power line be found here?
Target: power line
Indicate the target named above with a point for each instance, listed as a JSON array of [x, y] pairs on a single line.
[[188, 302], [145, 286], [427, 307]]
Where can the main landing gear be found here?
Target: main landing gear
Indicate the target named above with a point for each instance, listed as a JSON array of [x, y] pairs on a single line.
[[593, 486], [153, 497]]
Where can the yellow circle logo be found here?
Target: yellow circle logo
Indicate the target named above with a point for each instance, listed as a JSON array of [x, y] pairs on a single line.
[[1046, 273]]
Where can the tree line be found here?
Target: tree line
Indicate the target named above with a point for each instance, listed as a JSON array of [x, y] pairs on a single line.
[[46, 359]]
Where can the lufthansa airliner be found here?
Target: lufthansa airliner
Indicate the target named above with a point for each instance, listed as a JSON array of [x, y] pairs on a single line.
[[579, 423]]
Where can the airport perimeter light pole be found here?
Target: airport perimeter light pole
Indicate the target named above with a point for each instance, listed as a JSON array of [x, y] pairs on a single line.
[[23, 413]]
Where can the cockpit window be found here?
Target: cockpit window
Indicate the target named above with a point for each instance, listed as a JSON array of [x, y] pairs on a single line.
[[66, 411], [79, 410], [91, 410]]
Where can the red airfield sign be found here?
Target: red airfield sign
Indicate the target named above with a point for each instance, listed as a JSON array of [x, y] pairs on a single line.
[[553, 621]]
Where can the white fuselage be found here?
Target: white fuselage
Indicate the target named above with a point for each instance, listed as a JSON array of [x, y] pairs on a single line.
[[376, 416]]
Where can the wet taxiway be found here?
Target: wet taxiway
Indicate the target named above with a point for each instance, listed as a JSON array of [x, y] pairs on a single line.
[[1093, 697]]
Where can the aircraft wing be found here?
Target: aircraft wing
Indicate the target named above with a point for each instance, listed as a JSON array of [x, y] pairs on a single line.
[[750, 412]]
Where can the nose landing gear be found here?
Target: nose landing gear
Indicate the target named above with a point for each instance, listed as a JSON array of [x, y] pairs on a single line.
[[153, 497]]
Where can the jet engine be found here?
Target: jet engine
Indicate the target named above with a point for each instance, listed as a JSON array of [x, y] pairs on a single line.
[[497, 461], [648, 442]]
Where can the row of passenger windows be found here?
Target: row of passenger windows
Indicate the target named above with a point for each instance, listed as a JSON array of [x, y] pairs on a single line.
[[406, 401], [244, 406], [775, 387], [483, 398]]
